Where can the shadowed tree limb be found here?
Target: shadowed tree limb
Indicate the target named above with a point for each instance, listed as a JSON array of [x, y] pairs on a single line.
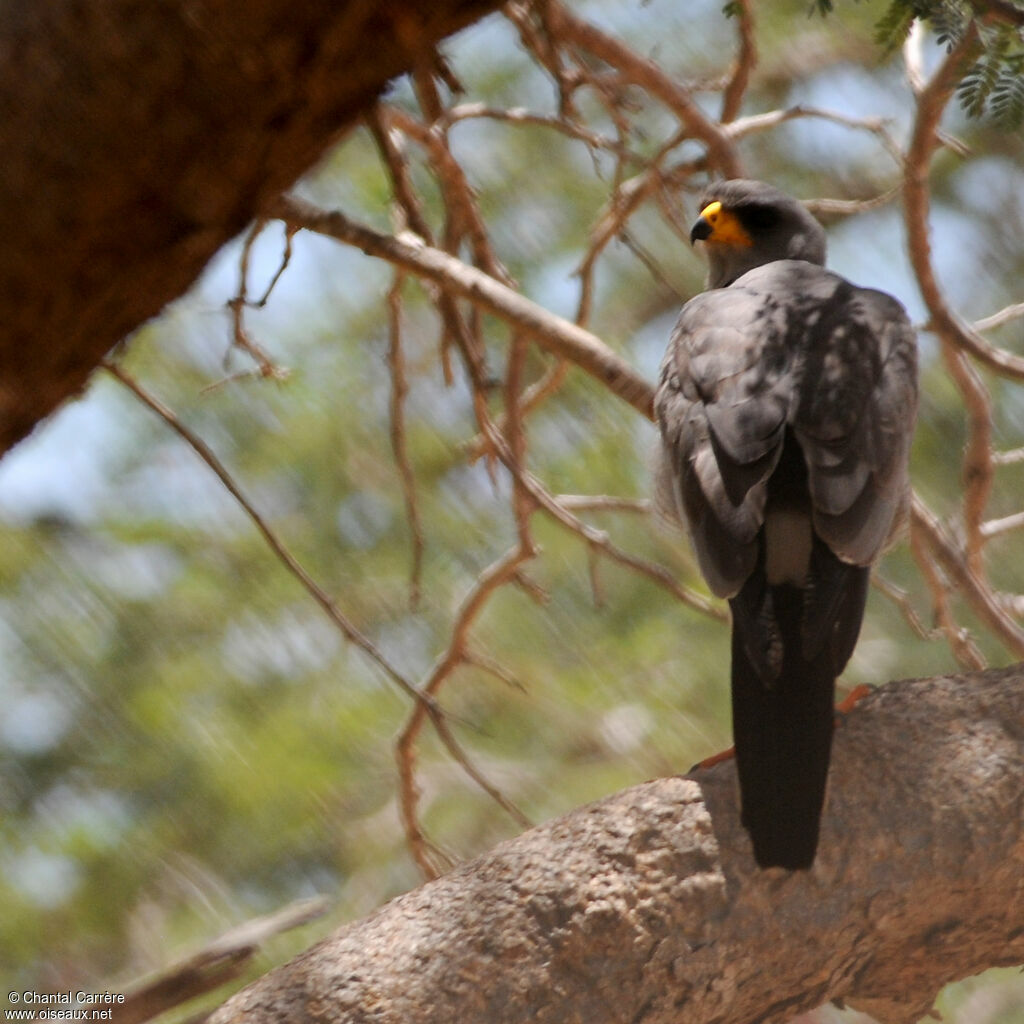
[[139, 138], [647, 906]]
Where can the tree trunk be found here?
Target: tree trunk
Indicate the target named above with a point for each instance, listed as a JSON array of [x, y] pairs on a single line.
[[647, 906], [138, 137]]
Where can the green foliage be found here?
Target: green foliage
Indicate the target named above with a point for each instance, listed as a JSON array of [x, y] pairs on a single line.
[[993, 84], [948, 21], [1007, 99], [894, 26]]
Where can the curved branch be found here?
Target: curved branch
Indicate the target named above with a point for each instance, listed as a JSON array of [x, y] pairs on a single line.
[[221, 961], [721, 151], [328, 606], [743, 64], [956, 337], [978, 595], [932, 100], [559, 336], [493, 577], [646, 906]]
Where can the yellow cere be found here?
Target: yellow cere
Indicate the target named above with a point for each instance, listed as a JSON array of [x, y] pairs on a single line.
[[711, 211], [726, 228]]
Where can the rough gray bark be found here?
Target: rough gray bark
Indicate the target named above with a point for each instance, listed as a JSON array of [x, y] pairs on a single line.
[[138, 137], [647, 906]]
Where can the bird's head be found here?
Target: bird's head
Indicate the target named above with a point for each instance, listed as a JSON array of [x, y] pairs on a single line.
[[744, 224]]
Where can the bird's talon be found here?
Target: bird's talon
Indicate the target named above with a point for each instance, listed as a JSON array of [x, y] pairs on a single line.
[[851, 700]]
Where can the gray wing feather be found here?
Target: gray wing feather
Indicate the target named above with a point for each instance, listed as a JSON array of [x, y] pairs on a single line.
[[856, 432], [723, 418], [789, 345]]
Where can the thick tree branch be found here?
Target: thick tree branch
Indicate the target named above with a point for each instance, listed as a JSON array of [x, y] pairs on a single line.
[[138, 138], [646, 906]]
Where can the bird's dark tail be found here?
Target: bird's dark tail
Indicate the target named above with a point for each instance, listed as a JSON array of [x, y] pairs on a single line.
[[783, 686]]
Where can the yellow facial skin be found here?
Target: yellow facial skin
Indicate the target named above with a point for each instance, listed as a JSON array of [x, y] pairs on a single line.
[[725, 227]]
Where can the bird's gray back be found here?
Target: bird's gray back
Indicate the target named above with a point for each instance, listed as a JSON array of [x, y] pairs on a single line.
[[789, 345]]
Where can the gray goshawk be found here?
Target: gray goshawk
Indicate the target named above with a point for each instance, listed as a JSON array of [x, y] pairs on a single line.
[[786, 403]]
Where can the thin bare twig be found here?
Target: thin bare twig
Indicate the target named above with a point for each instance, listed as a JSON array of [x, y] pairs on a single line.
[[462, 218], [901, 599], [721, 153], [515, 435], [286, 258], [755, 123], [626, 199], [996, 527], [399, 390], [492, 667], [1008, 458], [598, 539], [544, 45], [405, 748], [425, 704], [290, 562], [649, 261], [959, 638], [522, 116], [533, 396], [851, 207], [460, 201], [603, 503], [1004, 316], [265, 366], [390, 145], [978, 594], [220, 962]]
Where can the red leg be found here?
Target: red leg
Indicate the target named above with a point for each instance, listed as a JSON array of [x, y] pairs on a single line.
[[852, 699]]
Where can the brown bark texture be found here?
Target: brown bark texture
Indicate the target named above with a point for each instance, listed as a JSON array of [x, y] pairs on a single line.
[[647, 906], [138, 137]]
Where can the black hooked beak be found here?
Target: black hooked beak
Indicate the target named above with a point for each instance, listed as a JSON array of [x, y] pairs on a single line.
[[701, 229]]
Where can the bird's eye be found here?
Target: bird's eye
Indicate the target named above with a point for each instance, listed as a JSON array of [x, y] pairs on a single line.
[[760, 218]]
